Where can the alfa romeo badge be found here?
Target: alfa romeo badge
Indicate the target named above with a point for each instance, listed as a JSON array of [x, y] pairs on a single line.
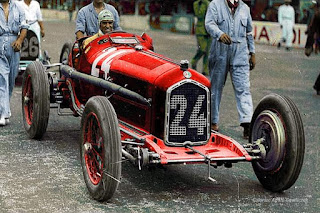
[[187, 74]]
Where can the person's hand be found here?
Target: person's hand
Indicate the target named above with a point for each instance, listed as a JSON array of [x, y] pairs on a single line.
[[252, 61], [79, 35], [16, 45], [42, 33], [224, 38]]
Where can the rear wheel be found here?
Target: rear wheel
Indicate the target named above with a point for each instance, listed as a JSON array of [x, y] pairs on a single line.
[[100, 148], [65, 52], [64, 55], [35, 100], [277, 122]]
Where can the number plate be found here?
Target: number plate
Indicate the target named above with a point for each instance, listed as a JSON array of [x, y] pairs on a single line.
[[30, 47], [188, 114]]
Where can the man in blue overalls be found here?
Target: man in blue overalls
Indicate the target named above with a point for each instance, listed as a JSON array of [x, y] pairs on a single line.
[[230, 24], [13, 30], [87, 18]]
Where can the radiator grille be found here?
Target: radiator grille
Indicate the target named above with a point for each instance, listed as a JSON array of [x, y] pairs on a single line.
[[188, 113]]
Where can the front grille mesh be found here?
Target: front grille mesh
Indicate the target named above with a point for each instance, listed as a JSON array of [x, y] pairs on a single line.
[[187, 114]]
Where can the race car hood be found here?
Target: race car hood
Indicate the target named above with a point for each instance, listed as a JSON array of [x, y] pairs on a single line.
[[141, 64]]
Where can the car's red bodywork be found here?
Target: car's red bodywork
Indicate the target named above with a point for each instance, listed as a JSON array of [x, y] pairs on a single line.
[[137, 68]]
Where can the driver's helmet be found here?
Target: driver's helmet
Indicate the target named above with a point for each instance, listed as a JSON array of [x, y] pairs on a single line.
[[105, 15]]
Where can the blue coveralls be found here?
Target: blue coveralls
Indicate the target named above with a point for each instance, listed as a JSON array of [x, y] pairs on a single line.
[[87, 19], [233, 58], [9, 59]]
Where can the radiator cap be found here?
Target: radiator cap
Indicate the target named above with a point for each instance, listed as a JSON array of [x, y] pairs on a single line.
[[184, 65]]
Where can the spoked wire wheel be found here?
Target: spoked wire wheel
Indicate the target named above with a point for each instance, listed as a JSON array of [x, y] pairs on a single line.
[[93, 146], [35, 100], [277, 124], [100, 148], [27, 100]]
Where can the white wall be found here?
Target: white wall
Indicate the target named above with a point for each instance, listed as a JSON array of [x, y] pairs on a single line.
[[270, 33]]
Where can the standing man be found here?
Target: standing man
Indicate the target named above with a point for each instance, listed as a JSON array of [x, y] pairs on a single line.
[[312, 39], [203, 38], [286, 18], [33, 16], [312, 10], [230, 24], [13, 30], [70, 9], [87, 18]]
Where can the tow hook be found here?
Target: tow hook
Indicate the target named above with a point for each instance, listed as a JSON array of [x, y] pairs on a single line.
[[207, 160]]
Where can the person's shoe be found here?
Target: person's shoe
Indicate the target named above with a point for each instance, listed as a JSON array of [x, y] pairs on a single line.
[[317, 91], [2, 121], [246, 130], [288, 48], [279, 45], [215, 127]]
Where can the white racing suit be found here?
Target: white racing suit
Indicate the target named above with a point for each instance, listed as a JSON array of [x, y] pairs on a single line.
[[286, 20]]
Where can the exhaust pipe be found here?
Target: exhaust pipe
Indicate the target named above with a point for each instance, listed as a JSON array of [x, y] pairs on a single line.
[[70, 72]]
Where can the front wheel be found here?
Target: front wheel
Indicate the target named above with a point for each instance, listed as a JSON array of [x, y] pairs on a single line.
[[100, 148], [277, 124], [35, 100]]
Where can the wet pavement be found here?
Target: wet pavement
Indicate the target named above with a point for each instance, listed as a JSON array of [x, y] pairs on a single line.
[[45, 176]]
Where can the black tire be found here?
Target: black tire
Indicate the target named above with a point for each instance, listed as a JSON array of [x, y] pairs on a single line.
[[100, 148], [278, 121], [65, 52], [35, 100]]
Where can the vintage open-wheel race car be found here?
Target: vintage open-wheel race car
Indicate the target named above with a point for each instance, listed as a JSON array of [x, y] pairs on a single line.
[[141, 106], [31, 51]]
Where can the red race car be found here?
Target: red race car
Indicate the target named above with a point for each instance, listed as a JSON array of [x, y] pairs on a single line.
[[139, 105]]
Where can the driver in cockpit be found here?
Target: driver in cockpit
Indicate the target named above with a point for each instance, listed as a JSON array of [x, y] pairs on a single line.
[[105, 22]]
